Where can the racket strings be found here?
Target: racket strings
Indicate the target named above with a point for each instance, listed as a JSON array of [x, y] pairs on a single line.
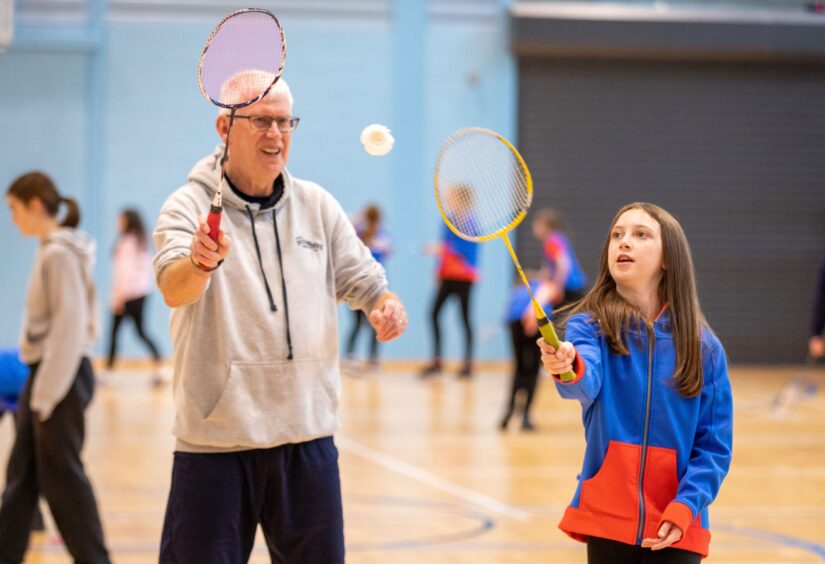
[[249, 42], [482, 185]]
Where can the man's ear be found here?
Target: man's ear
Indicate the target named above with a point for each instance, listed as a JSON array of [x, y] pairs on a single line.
[[222, 126]]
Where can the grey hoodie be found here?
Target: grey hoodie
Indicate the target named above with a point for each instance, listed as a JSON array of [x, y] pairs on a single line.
[[235, 385], [61, 320]]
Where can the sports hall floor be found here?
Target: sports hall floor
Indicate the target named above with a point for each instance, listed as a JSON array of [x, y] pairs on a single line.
[[428, 477]]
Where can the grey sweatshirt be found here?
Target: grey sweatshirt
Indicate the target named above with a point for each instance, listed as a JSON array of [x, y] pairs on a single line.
[[235, 386], [61, 320]]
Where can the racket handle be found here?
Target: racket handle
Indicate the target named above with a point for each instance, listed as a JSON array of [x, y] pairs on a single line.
[[550, 337], [213, 220]]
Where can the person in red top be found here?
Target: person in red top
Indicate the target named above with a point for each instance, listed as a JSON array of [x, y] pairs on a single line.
[[457, 273]]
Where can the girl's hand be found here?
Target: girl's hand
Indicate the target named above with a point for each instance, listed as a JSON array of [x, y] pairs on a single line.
[[668, 534], [557, 361]]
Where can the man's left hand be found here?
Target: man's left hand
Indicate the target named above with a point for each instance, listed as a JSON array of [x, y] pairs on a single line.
[[388, 317]]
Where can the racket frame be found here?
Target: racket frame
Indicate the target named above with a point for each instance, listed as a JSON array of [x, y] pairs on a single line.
[[212, 36], [548, 333]]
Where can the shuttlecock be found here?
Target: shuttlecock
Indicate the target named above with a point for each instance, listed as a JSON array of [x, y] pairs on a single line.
[[377, 139]]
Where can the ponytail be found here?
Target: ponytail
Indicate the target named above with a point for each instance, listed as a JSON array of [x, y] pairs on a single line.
[[72, 218]]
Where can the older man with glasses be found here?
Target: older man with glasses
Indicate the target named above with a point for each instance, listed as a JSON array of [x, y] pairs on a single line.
[[254, 327]]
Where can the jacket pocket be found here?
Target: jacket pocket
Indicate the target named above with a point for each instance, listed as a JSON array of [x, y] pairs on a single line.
[[266, 403], [613, 490]]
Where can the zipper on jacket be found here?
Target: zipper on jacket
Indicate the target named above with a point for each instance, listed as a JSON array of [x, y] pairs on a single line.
[[283, 284], [272, 305], [650, 343]]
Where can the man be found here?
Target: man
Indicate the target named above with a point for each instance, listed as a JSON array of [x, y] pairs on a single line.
[[255, 338]]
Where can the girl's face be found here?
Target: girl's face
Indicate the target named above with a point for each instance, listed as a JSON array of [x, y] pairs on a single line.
[[27, 218], [634, 255]]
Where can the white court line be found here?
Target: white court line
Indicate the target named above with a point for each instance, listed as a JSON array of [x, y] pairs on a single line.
[[430, 479]]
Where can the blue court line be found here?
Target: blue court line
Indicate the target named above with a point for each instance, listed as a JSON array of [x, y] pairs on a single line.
[[778, 538]]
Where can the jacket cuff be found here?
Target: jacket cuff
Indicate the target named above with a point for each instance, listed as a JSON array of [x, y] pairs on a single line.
[[679, 514], [578, 367]]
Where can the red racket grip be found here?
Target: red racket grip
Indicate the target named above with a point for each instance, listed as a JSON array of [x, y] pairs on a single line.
[[213, 220]]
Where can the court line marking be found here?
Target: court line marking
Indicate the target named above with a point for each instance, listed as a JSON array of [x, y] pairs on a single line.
[[428, 478]]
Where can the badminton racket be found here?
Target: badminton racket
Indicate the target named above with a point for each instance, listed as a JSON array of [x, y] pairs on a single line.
[[240, 63], [483, 189]]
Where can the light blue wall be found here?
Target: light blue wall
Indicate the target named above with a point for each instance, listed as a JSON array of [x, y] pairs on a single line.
[[423, 69]]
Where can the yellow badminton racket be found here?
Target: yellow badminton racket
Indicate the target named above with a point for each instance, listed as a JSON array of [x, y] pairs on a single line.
[[483, 189]]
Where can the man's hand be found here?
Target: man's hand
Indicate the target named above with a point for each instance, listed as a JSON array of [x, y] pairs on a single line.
[[204, 250], [668, 534], [557, 361], [388, 317]]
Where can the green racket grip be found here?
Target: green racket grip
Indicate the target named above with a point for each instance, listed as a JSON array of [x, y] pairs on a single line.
[[550, 337]]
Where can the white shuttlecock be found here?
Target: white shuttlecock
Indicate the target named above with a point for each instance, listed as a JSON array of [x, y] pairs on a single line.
[[377, 139]]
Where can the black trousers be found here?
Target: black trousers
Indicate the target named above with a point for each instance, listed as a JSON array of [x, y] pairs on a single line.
[[133, 309], [604, 551], [462, 290], [45, 459], [217, 500], [527, 357], [360, 319]]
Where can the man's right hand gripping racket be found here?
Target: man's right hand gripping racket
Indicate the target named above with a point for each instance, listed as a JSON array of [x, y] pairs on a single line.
[[240, 62], [483, 189]]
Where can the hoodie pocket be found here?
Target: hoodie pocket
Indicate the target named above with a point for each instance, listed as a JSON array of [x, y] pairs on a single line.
[[612, 491], [266, 403]]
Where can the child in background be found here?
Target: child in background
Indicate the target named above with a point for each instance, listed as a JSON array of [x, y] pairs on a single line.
[[523, 327], [131, 284], [564, 280], [372, 233], [653, 384], [457, 274], [59, 328]]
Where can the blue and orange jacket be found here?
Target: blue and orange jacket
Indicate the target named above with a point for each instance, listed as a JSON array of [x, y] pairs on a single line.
[[459, 258], [652, 454]]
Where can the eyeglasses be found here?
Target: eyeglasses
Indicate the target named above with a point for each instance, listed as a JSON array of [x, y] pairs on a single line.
[[263, 123]]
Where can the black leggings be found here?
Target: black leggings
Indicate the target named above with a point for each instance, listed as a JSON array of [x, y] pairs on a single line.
[[133, 309], [460, 288], [604, 551], [45, 460], [527, 357], [360, 317]]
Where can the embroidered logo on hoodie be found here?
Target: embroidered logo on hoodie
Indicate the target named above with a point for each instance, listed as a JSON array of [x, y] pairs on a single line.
[[311, 245]]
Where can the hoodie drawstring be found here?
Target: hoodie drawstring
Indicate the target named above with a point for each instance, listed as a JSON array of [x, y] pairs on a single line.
[[272, 306], [283, 283]]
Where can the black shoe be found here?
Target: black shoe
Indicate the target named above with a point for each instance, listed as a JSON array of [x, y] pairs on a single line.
[[466, 371], [527, 425], [432, 369], [503, 425]]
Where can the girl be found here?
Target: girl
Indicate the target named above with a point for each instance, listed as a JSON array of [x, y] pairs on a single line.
[[373, 235], [656, 400], [457, 274], [59, 327], [131, 284]]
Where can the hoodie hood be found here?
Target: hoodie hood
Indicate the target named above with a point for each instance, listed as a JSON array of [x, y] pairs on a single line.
[[207, 174], [78, 242]]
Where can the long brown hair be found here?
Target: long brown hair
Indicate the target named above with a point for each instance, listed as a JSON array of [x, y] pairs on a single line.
[[133, 225], [38, 185], [677, 289], [372, 219]]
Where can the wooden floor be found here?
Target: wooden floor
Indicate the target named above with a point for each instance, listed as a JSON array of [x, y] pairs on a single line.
[[427, 476]]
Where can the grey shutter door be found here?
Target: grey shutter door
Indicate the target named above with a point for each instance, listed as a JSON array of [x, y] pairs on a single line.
[[736, 151]]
